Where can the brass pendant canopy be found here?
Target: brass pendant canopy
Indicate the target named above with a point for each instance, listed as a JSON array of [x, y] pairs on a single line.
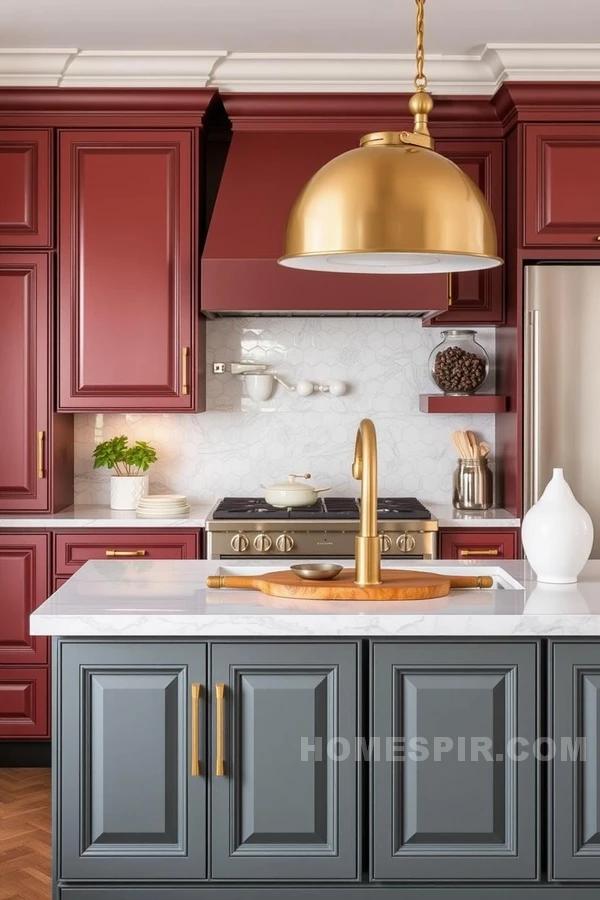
[[392, 206]]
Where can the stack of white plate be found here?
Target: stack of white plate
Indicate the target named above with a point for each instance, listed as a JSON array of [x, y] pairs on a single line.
[[163, 506]]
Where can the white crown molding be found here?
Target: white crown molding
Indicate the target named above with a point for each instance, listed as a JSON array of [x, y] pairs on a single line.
[[33, 68], [479, 73], [367, 72], [107, 68]]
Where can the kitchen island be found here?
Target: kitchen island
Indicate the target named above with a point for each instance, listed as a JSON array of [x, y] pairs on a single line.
[[226, 745]]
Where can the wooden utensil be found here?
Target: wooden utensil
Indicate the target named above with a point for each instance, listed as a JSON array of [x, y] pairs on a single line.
[[397, 584], [484, 449], [473, 446], [462, 445]]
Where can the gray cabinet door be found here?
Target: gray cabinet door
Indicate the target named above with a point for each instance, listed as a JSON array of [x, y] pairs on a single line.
[[130, 809], [283, 810], [461, 810], [575, 730]]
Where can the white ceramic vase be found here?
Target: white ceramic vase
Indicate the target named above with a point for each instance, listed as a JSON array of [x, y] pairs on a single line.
[[557, 534], [126, 490]]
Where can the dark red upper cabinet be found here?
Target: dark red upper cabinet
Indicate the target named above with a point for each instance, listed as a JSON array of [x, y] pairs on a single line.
[[24, 576], [128, 298], [25, 188], [24, 381], [562, 186], [477, 298]]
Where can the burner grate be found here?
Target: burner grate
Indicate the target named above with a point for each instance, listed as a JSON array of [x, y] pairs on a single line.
[[256, 508]]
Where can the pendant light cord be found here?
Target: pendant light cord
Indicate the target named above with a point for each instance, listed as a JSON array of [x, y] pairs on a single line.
[[420, 81]]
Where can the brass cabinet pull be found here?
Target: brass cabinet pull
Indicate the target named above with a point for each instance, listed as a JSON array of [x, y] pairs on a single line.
[[185, 354], [449, 289], [195, 767], [494, 552], [40, 453], [125, 552], [220, 750]]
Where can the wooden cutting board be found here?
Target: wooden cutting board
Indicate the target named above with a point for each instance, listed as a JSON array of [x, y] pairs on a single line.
[[397, 584]]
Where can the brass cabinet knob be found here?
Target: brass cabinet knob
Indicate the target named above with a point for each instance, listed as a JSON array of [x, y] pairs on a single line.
[[239, 543], [262, 542], [285, 543]]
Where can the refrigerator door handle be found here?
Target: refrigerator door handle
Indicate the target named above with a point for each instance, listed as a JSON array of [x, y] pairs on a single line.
[[534, 399]]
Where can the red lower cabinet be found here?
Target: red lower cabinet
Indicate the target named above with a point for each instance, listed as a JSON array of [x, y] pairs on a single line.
[[24, 585], [482, 543], [24, 702], [74, 548]]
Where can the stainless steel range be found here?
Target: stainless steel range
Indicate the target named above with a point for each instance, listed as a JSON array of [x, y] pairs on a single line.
[[240, 527]]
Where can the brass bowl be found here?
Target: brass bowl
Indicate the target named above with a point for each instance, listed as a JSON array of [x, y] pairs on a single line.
[[317, 571]]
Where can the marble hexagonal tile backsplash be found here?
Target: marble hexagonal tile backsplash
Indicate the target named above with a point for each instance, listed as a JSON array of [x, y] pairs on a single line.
[[239, 444]]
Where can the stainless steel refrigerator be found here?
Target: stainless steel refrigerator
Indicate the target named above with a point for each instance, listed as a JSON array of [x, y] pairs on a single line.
[[562, 382]]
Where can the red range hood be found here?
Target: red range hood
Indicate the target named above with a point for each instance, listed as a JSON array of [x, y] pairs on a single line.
[[270, 158]]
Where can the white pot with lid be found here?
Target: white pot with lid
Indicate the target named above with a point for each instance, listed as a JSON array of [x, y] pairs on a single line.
[[292, 493]]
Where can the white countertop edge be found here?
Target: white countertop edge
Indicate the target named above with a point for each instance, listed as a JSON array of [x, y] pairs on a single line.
[[448, 517], [104, 517]]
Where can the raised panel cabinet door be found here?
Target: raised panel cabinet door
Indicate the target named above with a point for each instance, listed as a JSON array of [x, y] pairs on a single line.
[[562, 189], [284, 790], [477, 298], [451, 800], [25, 188], [575, 730], [24, 585], [132, 804], [24, 702], [24, 381], [127, 240]]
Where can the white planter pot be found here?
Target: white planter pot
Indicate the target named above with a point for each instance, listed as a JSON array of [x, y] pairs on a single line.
[[126, 490], [557, 534]]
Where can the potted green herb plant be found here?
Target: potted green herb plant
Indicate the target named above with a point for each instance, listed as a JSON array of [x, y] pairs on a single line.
[[127, 484]]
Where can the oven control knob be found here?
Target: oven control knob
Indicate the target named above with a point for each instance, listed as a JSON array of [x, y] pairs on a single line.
[[239, 543], [385, 542], [406, 543], [285, 543], [262, 542]]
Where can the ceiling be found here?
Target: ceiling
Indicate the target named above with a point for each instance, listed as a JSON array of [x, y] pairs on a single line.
[[292, 26], [472, 45]]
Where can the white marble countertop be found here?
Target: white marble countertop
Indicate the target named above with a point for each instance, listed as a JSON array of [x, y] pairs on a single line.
[[448, 517], [104, 517], [110, 598]]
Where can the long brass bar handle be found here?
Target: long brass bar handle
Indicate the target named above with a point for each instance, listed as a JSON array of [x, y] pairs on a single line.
[[185, 355], [495, 552], [220, 749], [40, 454], [125, 552], [449, 289], [195, 767]]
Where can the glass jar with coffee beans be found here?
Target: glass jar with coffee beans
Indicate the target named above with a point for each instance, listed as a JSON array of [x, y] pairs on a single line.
[[458, 364]]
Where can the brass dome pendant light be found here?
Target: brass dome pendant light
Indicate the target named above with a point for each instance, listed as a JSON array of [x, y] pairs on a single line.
[[393, 205]]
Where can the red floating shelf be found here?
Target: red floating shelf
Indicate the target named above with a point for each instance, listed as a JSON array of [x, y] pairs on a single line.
[[472, 403]]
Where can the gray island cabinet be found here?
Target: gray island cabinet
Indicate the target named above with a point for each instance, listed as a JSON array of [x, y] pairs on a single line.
[[242, 769], [221, 745]]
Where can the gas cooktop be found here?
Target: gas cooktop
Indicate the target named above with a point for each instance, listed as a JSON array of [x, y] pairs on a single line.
[[256, 508]]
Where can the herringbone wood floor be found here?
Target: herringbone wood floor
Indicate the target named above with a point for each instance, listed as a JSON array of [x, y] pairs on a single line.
[[24, 834]]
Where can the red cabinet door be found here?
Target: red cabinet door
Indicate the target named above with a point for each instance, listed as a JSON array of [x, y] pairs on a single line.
[[483, 543], [562, 187], [477, 298], [127, 241], [24, 707], [24, 585], [74, 548], [24, 381], [25, 188]]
